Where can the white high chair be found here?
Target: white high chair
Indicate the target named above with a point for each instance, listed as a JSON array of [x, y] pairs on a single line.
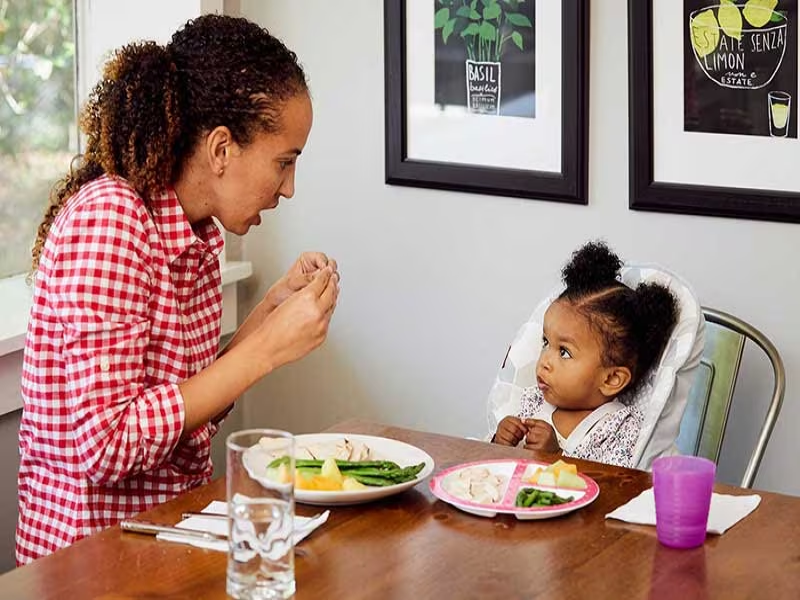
[[662, 396]]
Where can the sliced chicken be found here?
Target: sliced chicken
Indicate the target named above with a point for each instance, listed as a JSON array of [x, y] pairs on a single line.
[[476, 484]]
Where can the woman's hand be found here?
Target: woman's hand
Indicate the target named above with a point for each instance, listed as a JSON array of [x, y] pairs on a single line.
[[510, 431], [296, 279], [299, 276], [541, 436], [266, 341], [300, 323]]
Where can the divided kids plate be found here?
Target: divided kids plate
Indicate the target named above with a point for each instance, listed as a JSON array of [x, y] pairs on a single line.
[[506, 478]]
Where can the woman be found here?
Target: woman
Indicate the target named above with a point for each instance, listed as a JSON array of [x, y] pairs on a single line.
[[121, 383]]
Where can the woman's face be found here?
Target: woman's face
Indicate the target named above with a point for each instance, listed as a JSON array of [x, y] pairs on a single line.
[[570, 371], [253, 178]]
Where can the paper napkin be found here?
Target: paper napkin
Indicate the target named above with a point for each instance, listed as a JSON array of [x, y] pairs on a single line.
[[302, 527], [725, 510]]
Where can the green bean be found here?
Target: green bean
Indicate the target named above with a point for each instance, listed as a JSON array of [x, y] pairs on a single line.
[[531, 497]]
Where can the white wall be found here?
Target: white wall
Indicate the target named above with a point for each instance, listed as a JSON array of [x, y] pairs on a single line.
[[434, 283], [108, 24]]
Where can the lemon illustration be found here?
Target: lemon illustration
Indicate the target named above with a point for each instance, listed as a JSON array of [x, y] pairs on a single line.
[[759, 12], [705, 33], [730, 19]]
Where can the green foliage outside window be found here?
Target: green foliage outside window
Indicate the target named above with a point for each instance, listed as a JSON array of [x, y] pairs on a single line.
[[38, 132]]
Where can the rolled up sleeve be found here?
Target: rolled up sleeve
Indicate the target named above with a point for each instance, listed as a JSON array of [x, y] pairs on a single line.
[[100, 293]]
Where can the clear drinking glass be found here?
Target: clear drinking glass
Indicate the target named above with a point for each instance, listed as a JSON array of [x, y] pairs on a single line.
[[683, 486], [261, 511]]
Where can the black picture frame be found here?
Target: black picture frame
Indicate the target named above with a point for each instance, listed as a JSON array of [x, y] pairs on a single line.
[[570, 185], [646, 193]]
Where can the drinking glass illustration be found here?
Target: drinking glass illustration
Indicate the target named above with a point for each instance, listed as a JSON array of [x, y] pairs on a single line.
[[779, 112]]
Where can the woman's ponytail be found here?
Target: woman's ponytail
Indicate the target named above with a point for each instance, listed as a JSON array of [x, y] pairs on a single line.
[[132, 123], [133, 117]]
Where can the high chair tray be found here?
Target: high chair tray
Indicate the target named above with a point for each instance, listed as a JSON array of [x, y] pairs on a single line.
[[488, 488]]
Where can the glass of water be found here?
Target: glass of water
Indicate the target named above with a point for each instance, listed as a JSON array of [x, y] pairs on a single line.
[[260, 491]]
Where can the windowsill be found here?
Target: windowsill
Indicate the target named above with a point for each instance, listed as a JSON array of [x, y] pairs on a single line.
[[16, 296], [15, 305], [233, 271]]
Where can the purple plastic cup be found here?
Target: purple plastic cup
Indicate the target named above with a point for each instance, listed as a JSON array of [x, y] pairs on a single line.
[[683, 486]]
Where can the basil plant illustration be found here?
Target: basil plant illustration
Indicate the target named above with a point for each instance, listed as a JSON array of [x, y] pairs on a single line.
[[486, 28]]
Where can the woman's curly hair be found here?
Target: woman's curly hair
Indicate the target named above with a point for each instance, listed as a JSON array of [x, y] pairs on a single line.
[[633, 324], [154, 103]]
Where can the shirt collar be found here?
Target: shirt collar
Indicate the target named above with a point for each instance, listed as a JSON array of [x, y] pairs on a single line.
[[177, 234]]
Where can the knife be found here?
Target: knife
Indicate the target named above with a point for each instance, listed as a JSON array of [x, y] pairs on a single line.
[[154, 529], [204, 515]]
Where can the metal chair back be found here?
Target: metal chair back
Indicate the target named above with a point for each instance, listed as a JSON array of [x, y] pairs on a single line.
[[706, 417]]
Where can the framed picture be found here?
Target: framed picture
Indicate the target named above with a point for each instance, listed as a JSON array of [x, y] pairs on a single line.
[[713, 107], [488, 96]]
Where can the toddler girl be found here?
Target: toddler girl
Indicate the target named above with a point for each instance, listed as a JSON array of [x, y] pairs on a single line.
[[600, 339]]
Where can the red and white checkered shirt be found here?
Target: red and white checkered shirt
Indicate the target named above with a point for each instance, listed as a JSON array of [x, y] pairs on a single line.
[[127, 304]]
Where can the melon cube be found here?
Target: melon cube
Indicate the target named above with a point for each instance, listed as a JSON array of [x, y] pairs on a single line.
[[570, 480]]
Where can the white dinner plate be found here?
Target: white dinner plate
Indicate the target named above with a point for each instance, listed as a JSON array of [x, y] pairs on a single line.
[[513, 472], [257, 458]]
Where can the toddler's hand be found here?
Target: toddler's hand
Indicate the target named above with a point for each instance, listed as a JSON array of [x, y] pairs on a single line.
[[510, 432], [541, 436]]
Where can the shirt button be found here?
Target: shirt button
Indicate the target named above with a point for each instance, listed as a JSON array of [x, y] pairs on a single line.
[[105, 364]]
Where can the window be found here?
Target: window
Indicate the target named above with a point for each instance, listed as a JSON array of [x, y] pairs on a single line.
[[41, 58], [38, 124]]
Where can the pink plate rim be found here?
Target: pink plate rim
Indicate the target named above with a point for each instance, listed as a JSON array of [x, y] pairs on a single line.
[[591, 492]]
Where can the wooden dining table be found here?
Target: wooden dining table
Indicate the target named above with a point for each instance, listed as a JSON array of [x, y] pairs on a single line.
[[414, 546]]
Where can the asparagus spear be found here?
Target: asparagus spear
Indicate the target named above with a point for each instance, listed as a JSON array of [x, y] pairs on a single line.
[[369, 472], [342, 464]]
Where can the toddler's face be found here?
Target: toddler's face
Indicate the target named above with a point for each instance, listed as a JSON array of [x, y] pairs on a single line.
[[570, 371]]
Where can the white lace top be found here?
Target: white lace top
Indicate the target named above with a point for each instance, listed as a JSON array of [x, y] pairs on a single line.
[[608, 435]]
